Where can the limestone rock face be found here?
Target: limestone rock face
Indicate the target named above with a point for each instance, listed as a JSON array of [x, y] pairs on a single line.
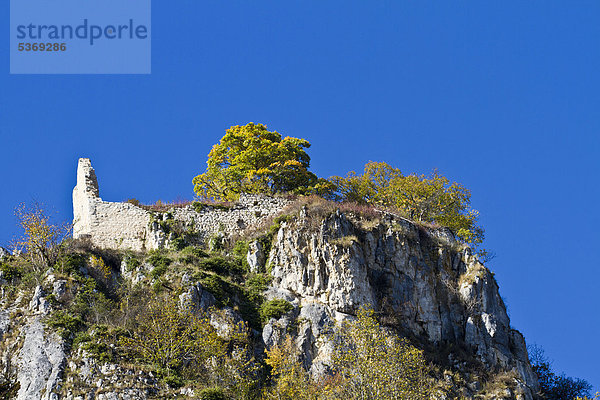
[[38, 303], [41, 363], [197, 299], [430, 285], [3, 253], [4, 322], [256, 256]]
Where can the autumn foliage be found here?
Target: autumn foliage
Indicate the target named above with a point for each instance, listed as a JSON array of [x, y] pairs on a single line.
[[368, 363], [251, 159], [432, 199], [41, 239]]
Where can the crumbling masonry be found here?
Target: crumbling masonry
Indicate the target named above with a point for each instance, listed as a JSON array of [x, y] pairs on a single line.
[[127, 226]]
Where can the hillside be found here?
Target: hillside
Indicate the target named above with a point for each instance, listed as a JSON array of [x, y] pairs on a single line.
[[251, 274]]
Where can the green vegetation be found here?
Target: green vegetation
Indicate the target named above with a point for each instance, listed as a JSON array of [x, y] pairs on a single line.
[[274, 309], [65, 323], [169, 337], [256, 285], [41, 239], [70, 263], [431, 199], [114, 321], [553, 386], [132, 263], [251, 159], [213, 393], [9, 386], [97, 340], [10, 272], [368, 364], [160, 262], [223, 265], [191, 255]]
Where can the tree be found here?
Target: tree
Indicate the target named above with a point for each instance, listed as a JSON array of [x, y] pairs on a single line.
[[374, 364], [291, 380], [169, 337], [596, 397], [41, 239], [251, 159], [552, 386], [368, 364], [423, 198]]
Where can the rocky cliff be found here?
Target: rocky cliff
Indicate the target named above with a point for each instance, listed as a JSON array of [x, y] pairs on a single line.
[[326, 260], [422, 282]]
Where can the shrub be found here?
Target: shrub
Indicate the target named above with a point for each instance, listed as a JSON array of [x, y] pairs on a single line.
[[10, 272], [100, 342], [90, 303], [98, 264], [374, 364], [553, 386], [160, 263], [41, 239], [215, 242], [213, 393], [198, 206], [177, 243], [175, 381], [241, 248], [222, 265], [218, 287], [290, 379], [135, 202], [132, 263], [240, 251], [9, 385], [170, 338], [274, 309], [256, 285], [191, 255], [65, 323]]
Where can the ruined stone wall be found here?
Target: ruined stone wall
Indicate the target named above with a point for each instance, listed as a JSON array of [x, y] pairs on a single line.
[[126, 226]]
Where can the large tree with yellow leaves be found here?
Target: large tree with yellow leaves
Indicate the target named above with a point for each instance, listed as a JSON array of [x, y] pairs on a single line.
[[433, 199], [252, 159]]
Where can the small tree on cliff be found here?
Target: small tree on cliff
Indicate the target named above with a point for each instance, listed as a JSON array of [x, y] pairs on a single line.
[[41, 239], [251, 159], [368, 363], [422, 198], [374, 364]]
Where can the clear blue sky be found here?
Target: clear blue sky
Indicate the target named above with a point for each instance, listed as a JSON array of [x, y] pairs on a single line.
[[501, 97]]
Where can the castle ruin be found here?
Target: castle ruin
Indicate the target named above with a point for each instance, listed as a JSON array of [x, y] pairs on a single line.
[[117, 225]]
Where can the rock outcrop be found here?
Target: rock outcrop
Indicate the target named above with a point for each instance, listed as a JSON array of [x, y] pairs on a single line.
[[431, 288], [422, 282], [41, 363], [3, 253]]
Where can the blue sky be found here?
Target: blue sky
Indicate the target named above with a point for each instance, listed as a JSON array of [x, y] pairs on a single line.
[[501, 97]]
